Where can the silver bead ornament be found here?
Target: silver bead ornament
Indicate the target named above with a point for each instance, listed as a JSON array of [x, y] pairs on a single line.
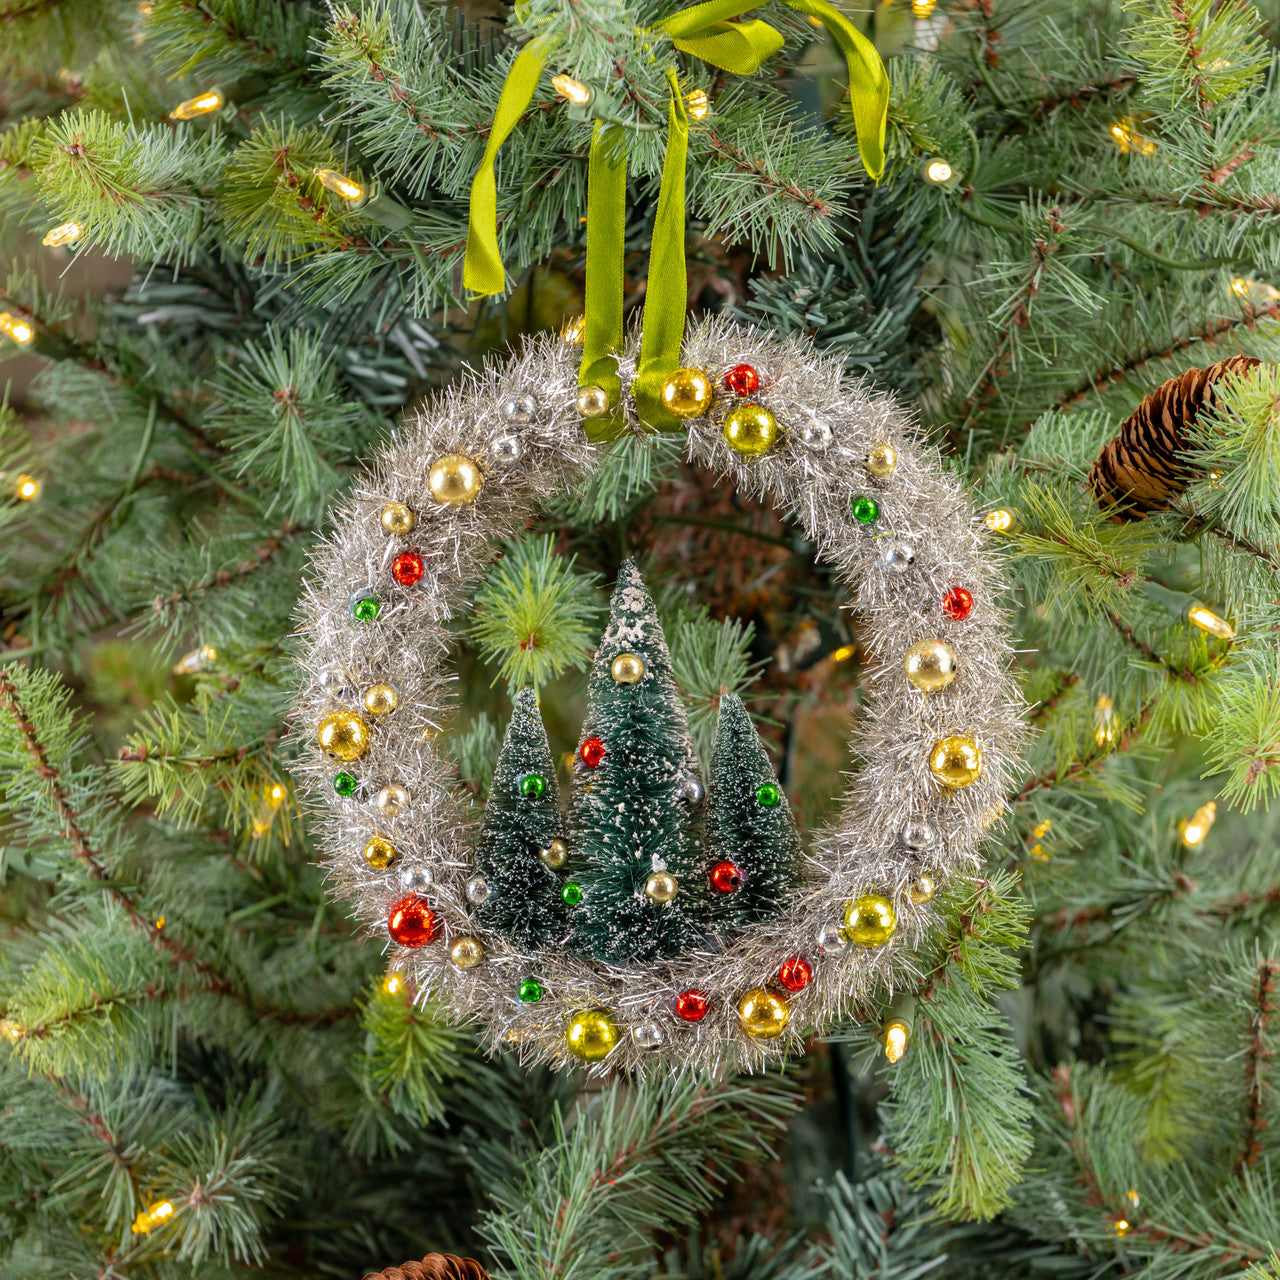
[[519, 409], [831, 939], [507, 450], [477, 890], [414, 879], [648, 1034], [897, 555], [918, 835], [692, 791], [334, 679], [815, 434]]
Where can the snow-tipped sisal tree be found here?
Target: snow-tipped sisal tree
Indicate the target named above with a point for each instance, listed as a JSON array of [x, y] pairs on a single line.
[[635, 839], [754, 846], [521, 821]]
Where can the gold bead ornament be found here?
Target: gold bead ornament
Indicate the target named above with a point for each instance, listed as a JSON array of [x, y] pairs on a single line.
[[930, 665], [751, 430], [591, 1034], [763, 1014], [661, 886], [397, 519], [343, 735], [392, 800], [956, 761], [921, 889], [454, 480], [687, 393], [882, 461], [593, 402], [380, 700], [466, 953], [870, 920], [627, 668], [379, 853], [555, 855]]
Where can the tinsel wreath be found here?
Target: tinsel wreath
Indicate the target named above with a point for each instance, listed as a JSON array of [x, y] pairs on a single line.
[[940, 743]]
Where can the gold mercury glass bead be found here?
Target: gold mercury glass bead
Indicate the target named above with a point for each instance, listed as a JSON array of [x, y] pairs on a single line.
[[343, 735], [555, 854], [763, 1014], [930, 665], [921, 889], [392, 799], [627, 668], [687, 393], [454, 480], [466, 953], [751, 430], [380, 700], [591, 1034], [870, 920], [593, 402], [956, 761], [661, 886], [882, 461], [379, 853], [397, 519]]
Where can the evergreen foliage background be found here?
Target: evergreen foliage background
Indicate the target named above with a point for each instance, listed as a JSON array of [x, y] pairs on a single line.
[[1090, 1083]]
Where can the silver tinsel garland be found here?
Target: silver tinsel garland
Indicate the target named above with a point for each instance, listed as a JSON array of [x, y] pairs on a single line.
[[894, 821]]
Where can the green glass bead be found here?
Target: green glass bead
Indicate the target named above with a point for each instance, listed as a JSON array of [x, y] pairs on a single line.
[[768, 794], [345, 783], [865, 510], [532, 785], [530, 991], [365, 608], [572, 894]]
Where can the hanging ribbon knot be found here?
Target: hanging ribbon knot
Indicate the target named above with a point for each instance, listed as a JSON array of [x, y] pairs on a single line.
[[702, 31]]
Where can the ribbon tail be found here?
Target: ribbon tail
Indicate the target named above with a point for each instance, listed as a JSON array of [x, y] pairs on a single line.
[[667, 293], [482, 269], [602, 314]]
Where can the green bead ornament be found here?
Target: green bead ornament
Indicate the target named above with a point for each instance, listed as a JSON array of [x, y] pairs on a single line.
[[532, 785], [530, 991], [571, 894], [865, 510], [345, 783], [768, 794], [365, 608]]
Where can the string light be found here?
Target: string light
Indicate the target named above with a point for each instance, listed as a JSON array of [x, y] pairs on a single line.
[[572, 90], [63, 233], [152, 1216], [208, 101], [1037, 850], [896, 1035], [698, 104], [17, 328], [1194, 829], [274, 794], [200, 659], [339, 184], [938, 171], [10, 1030], [843, 653], [999, 521], [1209, 621], [160, 922], [1121, 1226], [1129, 139], [26, 488], [1104, 719], [1255, 291], [392, 983], [923, 8]]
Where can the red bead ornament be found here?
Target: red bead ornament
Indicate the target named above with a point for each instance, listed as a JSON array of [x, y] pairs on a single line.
[[592, 752], [795, 973], [412, 923], [726, 877], [957, 604], [742, 380], [407, 568], [692, 1005]]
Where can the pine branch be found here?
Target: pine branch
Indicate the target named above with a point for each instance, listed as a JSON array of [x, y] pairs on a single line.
[[1256, 1057]]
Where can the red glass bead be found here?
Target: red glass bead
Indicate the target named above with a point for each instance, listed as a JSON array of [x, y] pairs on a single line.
[[795, 973], [592, 752], [407, 568], [957, 604], [742, 380], [692, 1005], [412, 923], [726, 877]]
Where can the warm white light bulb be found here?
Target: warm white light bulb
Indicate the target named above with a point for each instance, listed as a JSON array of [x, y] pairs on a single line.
[[895, 1040], [208, 101], [573, 90], [938, 171], [63, 233], [340, 184]]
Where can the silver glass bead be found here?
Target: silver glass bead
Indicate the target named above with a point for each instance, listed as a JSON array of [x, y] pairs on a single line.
[[477, 889], [648, 1034], [414, 879], [519, 409], [692, 791], [918, 835], [831, 939], [334, 679], [815, 434], [897, 555], [507, 450]]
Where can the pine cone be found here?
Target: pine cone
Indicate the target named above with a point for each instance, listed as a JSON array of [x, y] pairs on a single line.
[[1141, 468], [435, 1266]]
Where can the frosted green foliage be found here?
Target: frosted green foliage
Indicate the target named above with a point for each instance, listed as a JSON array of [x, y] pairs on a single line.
[[627, 816], [521, 818], [746, 825], [709, 657], [535, 614]]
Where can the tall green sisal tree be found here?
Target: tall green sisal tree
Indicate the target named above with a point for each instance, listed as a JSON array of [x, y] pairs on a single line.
[[635, 836], [520, 842], [755, 848]]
